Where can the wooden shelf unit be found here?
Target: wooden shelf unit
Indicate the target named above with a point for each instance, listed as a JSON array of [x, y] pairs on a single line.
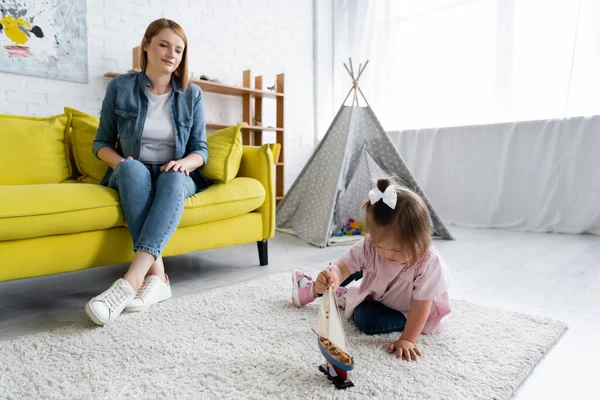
[[251, 134]]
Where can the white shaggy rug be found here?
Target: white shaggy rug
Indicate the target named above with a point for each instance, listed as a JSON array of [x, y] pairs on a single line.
[[248, 341]]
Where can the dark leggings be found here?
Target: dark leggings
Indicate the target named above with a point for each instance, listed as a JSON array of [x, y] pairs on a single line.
[[372, 317]]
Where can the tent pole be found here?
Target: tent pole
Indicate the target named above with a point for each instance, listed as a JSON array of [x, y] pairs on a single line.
[[361, 71], [363, 96], [348, 95], [349, 73]]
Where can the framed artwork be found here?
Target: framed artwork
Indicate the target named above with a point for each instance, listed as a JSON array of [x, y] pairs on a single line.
[[46, 38]]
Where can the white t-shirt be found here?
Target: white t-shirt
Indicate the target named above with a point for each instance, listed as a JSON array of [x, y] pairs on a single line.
[[158, 137]]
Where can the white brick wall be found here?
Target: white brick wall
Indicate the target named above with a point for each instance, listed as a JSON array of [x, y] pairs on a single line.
[[225, 37]]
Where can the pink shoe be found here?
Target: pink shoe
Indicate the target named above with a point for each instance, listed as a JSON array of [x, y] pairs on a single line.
[[302, 289], [340, 296]]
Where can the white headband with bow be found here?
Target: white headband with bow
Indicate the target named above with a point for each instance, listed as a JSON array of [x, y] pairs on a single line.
[[389, 196]]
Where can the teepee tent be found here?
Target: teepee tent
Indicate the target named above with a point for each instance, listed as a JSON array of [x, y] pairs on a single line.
[[333, 185]]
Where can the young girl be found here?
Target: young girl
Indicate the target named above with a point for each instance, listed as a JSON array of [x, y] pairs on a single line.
[[404, 279]]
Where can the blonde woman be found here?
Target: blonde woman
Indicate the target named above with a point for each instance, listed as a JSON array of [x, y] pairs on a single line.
[[152, 135]]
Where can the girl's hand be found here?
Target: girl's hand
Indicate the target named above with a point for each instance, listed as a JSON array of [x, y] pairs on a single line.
[[404, 349], [175, 165], [326, 279]]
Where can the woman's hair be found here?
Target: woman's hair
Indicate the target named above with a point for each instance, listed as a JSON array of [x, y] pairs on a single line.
[[153, 29], [409, 222]]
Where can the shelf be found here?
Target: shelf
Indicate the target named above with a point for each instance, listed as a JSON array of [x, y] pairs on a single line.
[[113, 74], [220, 88], [217, 125]]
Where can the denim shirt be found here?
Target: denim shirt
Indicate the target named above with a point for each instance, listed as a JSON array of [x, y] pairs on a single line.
[[123, 115]]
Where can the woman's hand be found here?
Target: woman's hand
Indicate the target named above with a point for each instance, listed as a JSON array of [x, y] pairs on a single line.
[[175, 165], [404, 349], [120, 161], [326, 279]]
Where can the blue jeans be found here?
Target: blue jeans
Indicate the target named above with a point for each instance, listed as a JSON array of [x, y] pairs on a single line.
[[372, 317], [152, 202]]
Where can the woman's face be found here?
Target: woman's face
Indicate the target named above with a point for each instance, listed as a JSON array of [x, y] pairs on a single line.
[[164, 51]]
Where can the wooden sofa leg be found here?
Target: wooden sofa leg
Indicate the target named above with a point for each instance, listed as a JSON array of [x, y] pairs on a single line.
[[263, 252]]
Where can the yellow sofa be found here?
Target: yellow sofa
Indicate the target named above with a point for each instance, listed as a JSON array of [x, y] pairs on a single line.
[[51, 221]]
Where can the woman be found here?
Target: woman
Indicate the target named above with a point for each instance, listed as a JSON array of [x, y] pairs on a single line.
[[152, 134]]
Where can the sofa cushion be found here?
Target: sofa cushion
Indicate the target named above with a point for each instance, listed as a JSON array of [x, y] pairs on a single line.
[[28, 211], [82, 128], [42, 210], [224, 154], [33, 150], [224, 150], [220, 201]]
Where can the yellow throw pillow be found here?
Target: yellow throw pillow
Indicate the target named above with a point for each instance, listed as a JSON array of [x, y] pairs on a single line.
[[33, 150], [224, 154], [83, 132]]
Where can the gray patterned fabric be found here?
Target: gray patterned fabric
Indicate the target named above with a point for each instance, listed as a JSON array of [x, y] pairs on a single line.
[[334, 184]]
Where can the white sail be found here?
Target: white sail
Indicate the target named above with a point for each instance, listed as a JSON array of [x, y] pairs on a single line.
[[322, 318], [329, 323], [336, 330]]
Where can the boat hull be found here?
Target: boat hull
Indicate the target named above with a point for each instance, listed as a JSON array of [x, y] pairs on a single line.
[[333, 361]]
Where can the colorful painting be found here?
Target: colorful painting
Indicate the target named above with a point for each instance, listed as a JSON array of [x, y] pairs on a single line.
[[45, 38]]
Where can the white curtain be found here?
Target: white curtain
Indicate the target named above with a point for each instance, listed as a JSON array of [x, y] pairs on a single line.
[[360, 33], [535, 175], [451, 79], [437, 63]]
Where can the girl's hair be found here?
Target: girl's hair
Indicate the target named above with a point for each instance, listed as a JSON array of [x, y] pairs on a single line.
[[154, 29], [409, 222]]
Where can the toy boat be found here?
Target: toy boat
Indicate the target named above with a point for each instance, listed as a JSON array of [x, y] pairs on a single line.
[[332, 341]]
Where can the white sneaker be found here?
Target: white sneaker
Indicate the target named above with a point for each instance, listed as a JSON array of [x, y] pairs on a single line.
[[108, 305], [153, 291]]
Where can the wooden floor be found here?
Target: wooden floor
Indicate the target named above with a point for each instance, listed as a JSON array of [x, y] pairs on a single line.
[[552, 275]]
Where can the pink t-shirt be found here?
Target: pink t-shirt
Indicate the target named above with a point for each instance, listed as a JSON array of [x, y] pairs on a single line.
[[394, 285]]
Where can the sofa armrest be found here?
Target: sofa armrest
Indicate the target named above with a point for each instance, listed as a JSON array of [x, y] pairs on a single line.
[[257, 163]]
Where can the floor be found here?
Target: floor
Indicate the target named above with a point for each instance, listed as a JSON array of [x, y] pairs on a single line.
[[552, 275]]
